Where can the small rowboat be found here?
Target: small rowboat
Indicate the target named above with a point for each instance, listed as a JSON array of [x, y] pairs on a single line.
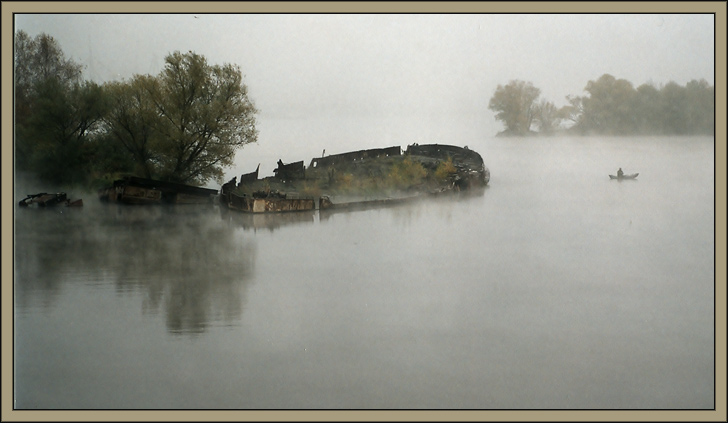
[[632, 176]]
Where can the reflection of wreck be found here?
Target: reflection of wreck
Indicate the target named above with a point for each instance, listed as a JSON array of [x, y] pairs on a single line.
[[326, 204], [269, 221], [134, 190], [465, 169], [49, 200]]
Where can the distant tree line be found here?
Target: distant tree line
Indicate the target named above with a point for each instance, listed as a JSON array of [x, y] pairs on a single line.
[[186, 123], [610, 107], [183, 125]]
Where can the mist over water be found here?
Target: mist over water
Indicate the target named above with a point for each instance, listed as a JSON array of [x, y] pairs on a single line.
[[553, 288]]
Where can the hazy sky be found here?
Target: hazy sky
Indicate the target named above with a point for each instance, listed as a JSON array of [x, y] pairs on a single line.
[[379, 65], [368, 63]]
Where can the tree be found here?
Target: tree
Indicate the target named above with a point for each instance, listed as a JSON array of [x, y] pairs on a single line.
[[37, 61], [673, 105], [647, 110], [131, 122], [183, 125], [204, 116], [547, 117], [610, 106], [514, 106], [700, 99], [574, 110], [58, 134], [614, 107], [56, 112]]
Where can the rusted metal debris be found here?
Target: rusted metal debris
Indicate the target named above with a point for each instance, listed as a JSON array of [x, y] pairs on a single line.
[[354, 156], [134, 190], [247, 196], [261, 202], [471, 170], [49, 200], [291, 171], [247, 178]]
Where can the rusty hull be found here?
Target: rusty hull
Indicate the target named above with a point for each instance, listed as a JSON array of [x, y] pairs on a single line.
[[49, 200], [277, 194], [250, 204], [134, 190]]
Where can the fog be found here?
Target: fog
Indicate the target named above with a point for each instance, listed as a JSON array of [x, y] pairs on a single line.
[[374, 64], [307, 73], [554, 288]]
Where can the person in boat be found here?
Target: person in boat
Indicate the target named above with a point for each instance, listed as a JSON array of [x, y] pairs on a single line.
[[620, 173]]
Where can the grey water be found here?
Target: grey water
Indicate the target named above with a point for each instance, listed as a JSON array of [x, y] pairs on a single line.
[[553, 288]]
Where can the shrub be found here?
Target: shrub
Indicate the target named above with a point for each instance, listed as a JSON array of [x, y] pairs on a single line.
[[445, 170], [406, 173]]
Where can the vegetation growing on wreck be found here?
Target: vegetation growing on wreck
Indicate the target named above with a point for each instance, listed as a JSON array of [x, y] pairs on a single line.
[[375, 177], [445, 170], [406, 173]]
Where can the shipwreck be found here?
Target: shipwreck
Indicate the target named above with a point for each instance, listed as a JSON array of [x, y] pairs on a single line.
[[358, 179], [135, 190], [59, 199]]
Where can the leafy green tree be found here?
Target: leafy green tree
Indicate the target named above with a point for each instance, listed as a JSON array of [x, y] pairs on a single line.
[[614, 107], [109, 160], [205, 115], [573, 111], [38, 59], [183, 125], [40, 69], [131, 123], [672, 109], [59, 133], [610, 106], [547, 117], [647, 110], [514, 106], [700, 109], [56, 112]]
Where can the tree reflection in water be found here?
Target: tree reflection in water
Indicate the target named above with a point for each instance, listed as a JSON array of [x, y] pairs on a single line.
[[184, 259]]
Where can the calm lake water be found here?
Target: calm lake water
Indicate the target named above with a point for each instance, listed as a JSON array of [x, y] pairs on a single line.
[[553, 288]]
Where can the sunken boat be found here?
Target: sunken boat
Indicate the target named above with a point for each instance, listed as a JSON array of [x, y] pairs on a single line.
[[358, 179], [135, 190], [269, 202], [42, 199]]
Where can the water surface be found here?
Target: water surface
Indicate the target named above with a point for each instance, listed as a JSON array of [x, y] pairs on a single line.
[[553, 288]]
